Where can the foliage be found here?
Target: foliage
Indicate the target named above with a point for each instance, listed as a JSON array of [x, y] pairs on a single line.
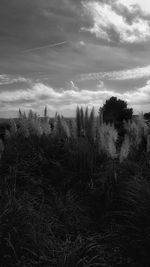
[[61, 129], [137, 131], [115, 111], [107, 137], [1, 147], [85, 123], [147, 116], [60, 204], [125, 148]]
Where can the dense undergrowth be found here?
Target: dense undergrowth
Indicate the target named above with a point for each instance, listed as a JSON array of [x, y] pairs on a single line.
[[74, 193]]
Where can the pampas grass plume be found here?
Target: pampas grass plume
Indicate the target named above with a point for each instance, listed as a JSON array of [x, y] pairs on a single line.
[[125, 149]]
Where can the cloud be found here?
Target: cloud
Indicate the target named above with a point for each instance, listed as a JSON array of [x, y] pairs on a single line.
[[37, 23], [135, 73], [11, 79], [100, 84], [143, 5], [73, 86], [65, 101], [140, 96], [37, 92], [115, 22], [82, 43]]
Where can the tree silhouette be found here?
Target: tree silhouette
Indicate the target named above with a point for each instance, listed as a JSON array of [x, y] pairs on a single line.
[[147, 116], [115, 111]]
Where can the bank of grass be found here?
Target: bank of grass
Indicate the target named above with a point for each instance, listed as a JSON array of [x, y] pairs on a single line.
[[68, 200]]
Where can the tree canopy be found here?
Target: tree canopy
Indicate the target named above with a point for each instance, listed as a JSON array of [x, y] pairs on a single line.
[[147, 116], [116, 111]]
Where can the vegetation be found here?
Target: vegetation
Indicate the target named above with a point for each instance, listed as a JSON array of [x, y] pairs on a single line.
[[74, 193], [147, 116], [116, 111]]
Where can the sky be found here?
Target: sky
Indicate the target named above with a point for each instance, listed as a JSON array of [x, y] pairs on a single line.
[[64, 53]]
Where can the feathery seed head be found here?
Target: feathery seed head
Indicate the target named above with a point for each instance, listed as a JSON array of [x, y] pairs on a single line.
[[125, 149], [13, 127]]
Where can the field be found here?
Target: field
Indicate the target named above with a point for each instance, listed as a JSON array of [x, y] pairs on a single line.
[[74, 192]]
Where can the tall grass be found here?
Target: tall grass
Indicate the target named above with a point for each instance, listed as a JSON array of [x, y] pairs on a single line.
[[60, 205], [125, 149], [61, 128], [107, 137], [85, 123], [102, 136]]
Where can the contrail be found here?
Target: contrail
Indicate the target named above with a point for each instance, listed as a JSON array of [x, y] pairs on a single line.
[[45, 46]]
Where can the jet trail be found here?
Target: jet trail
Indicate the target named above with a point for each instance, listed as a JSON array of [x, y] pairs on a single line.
[[45, 46]]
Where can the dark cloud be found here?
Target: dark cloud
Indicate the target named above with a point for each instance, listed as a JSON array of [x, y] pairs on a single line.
[[15, 17], [26, 24], [38, 21]]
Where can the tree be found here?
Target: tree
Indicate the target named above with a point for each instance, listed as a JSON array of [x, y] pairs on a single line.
[[115, 111], [147, 116]]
